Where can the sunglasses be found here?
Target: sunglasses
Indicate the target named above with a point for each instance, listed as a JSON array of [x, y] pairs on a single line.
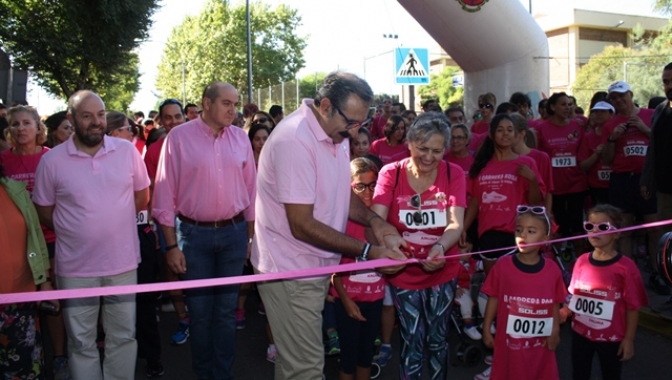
[[486, 105], [599, 227], [537, 210], [416, 202], [361, 187], [260, 121], [353, 124]]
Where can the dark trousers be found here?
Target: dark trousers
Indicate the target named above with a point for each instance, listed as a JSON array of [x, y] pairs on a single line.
[[357, 339], [147, 327], [583, 351]]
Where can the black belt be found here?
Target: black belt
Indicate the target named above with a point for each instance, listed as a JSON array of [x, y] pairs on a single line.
[[216, 224]]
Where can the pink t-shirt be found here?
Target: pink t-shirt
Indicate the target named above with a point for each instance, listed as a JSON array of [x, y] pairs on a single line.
[[544, 165], [602, 293], [463, 162], [22, 169], [477, 140], [377, 127], [152, 157], [561, 143], [435, 202], [599, 174], [526, 295], [480, 127], [387, 153], [499, 190], [202, 177], [361, 286], [299, 164], [629, 149], [94, 206]]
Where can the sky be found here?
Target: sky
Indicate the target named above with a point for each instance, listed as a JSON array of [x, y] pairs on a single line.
[[343, 34]]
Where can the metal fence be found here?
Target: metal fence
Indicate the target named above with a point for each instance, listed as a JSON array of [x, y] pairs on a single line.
[[285, 94]]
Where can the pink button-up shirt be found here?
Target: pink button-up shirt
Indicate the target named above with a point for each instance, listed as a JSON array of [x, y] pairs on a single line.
[[202, 177], [299, 164], [94, 206]]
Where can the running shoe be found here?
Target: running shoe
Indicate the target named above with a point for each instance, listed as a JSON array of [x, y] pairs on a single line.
[[155, 370], [61, 370], [472, 332], [240, 319], [488, 360], [182, 333], [271, 353], [333, 347], [384, 355], [262, 309], [377, 342], [485, 375]]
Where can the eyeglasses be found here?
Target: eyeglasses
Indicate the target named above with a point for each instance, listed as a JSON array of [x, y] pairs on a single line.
[[458, 138], [353, 124], [360, 187], [416, 202], [486, 105], [537, 210], [601, 227]]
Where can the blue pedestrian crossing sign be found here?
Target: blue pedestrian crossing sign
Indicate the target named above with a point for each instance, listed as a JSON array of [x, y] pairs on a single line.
[[411, 65]]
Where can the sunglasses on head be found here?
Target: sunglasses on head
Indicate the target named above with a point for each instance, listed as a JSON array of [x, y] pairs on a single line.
[[416, 202], [484, 105], [360, 187], [537, 210], [598, 227]]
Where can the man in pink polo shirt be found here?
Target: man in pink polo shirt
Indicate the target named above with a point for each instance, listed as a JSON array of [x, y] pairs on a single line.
[[204, 200], [303, 204], [89, 190]]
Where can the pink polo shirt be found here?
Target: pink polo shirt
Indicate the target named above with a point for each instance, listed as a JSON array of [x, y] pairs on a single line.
[[202, 177], [299, 164], [94, 206]]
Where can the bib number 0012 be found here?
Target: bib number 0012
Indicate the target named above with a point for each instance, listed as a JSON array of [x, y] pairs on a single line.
[[529, 327]]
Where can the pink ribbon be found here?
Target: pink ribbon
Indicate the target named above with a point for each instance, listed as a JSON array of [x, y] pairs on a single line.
[[295, 274]]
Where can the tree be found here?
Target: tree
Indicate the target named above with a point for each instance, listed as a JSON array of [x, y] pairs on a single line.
[[212, 47], [663, 7], [309, 84], [441, 89], [70, 45]]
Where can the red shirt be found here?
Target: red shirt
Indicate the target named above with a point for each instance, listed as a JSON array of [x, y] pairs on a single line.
[[387, 153], [526, 295], [630, 148], [377, 127], [140, 145], [544, 165], [361, 286], [562, 145], [435, 203], [152, 157], [602, 293], [477, 140], [463, 162], [599, 173], [22, 168], [499, 190], [480, 127]]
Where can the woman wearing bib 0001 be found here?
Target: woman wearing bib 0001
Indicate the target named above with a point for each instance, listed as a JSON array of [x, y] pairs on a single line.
[[424, 198]]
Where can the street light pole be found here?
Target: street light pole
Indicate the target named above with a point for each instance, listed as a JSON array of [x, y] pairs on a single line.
[[249, 52]]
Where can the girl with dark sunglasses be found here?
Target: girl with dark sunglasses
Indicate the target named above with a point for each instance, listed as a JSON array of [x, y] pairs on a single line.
[[607, 292]]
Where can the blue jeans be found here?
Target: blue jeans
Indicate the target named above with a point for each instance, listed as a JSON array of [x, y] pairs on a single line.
[[212, 253]]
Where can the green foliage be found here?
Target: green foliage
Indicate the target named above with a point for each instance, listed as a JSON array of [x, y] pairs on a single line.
[[309, 84], [69, 45], [213, 47], [663, 7], [378, 98], [441, 88]]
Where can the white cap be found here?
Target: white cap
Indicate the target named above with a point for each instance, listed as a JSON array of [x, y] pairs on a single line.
[[619, 86], [603, 106]]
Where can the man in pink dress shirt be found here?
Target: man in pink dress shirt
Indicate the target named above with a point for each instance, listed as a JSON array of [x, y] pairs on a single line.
[[204, 200], [303, 205], [89, 190]]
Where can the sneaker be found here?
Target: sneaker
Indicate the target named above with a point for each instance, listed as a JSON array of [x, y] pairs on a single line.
[[271, 353], [167, 307], [485, 375], [377, 342], [333, 347], [658, 285], [182, 333], [240, 319], [488, 360], [472, 332], [384, 355], [61, 370], [262, 309], [155, 370]]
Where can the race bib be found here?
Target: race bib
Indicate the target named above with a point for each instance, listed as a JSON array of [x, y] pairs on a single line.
[[604, 175], [563, 162], [635, 150], [431, 218], [142, 217], [601, 309], [525, 327]]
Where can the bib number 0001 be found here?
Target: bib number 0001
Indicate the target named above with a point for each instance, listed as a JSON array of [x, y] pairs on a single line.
[[430, 218]]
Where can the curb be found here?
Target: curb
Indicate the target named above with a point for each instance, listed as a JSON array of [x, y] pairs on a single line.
[[655, 321]]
